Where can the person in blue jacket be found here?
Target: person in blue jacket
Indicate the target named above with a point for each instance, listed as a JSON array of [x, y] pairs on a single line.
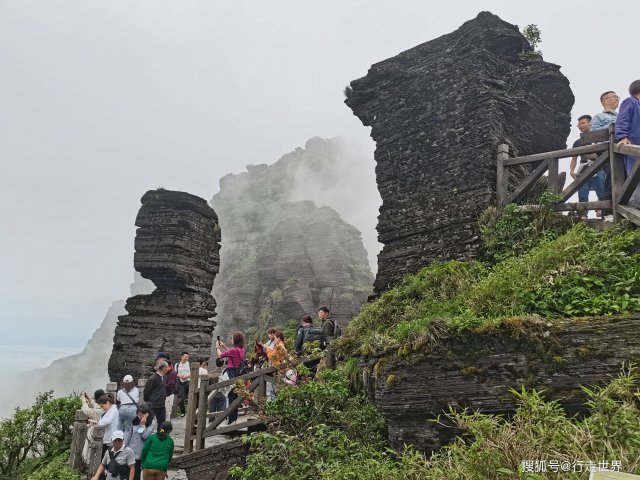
[[628, 130]]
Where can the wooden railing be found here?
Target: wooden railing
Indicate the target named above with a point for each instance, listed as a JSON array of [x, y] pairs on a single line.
[[200, 396], [609, 156]]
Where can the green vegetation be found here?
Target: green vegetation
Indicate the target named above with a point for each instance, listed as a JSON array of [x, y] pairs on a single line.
[[511, 232], [533, 34], [34, 442], [583, 272], [324, 430]]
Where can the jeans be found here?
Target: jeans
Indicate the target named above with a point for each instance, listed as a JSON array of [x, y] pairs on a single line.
[[126, 414], [596, 183]]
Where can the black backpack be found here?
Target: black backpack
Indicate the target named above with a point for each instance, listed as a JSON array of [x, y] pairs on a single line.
[[115, 469], [314, 334], [337, 329]]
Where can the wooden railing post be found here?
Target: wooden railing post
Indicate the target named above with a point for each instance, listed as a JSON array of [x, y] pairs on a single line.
[[502, 175], [617, 174], [261, 390], [78, 440], [201, 422], [191, 411], [554, 177]]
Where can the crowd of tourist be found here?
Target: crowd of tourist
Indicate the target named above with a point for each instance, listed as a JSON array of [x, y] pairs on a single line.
[[627, 131], [136, 441]]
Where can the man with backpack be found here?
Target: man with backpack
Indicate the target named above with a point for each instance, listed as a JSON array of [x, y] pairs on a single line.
[[118, 462], [308, 333], [330, 327]]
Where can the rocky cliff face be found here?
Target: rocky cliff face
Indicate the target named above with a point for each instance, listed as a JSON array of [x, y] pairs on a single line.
[[177, 249], [476, 370], [283, 256], [438, 112]]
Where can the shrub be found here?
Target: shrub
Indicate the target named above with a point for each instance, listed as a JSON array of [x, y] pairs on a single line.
[[512, 231], [34, 436], [494, 447], [584, 272], [328, 400], [56, 469]]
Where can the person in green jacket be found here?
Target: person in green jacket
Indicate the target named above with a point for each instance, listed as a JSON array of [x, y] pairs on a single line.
[[157, 453]]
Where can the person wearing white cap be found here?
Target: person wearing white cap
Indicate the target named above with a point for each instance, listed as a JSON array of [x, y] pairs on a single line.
[[127, 397], [118, 463]]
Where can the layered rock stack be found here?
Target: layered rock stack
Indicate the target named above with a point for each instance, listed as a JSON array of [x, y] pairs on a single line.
[[177, 248], [284, 255], [438, 112]]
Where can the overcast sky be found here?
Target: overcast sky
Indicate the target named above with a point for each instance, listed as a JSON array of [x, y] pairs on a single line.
[[103, 100]]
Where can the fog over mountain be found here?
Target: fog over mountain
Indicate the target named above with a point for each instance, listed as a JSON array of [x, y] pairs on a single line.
[[102, 101], [84, 371], [325, 173]]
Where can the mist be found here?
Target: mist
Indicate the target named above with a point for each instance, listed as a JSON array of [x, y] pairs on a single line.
[[102, 101]]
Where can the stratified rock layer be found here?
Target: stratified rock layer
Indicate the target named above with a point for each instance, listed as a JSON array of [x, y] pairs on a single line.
[[438, 112], [283, 256], [176, 243], [177, 248], [476, 370]]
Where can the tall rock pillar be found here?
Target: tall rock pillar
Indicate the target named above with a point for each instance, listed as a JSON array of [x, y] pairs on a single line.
[[177, 248], [438, 112]]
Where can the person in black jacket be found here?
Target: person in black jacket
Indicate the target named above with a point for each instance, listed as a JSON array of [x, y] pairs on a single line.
[[155, 393]]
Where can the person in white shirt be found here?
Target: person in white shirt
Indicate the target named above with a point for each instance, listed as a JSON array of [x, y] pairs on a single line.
[[90, 407], [127, 398], [109, 420], [203, 369], [184, 375]]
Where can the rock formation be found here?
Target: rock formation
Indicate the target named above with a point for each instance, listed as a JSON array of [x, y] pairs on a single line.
[[554, 357], [283, 256], [176, 247], [437, 113]]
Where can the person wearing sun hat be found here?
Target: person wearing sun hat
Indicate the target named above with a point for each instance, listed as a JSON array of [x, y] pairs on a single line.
[[127, 398], [118, 463]]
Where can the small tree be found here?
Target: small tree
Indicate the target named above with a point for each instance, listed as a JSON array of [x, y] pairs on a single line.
[[42, 430], [533, 35]]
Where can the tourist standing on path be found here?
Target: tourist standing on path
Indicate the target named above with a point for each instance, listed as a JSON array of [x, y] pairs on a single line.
[[109, 420], [90, 407], [277, 356], [628, 132], [203, 369], [154, 391], [118, 463], [170, 383], [127, 398], [157, 453], [595, 183], [235, 359], [184, 380], [601, 121], [143, 426], [328, 326], [302, 334]]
